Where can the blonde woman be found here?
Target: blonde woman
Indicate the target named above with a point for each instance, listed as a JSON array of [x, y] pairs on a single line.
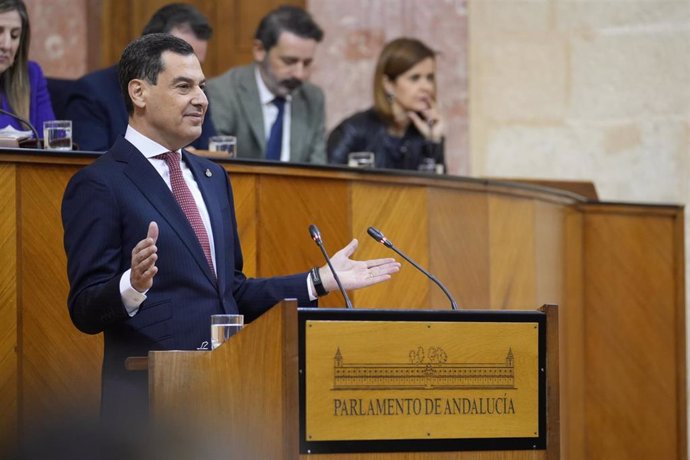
[[23, 89]]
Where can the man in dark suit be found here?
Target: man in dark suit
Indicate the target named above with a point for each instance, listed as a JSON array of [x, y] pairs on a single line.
[[158, 291], [95, 103], [251, 102]]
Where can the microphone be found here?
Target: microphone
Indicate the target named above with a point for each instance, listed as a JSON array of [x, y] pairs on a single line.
[[25, 123], [378, 236], [316, 236]]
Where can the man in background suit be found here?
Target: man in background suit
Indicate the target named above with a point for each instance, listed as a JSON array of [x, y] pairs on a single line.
[[150, 231], [269, 105], [95, 103]]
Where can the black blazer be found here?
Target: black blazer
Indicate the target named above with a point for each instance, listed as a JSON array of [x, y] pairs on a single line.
[[367, 132]]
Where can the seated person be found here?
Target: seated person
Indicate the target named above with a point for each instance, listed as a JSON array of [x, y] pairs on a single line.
[[269, 105], [23, 90], [404, 129], [96, 105]]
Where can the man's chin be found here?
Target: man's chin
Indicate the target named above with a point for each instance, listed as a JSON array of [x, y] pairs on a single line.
[[190, 135]]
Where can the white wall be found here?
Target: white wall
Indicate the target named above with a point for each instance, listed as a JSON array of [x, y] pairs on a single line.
[[584, 89]]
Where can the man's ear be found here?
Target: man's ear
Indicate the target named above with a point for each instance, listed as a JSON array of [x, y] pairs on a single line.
[[258, 51], [137, 92]]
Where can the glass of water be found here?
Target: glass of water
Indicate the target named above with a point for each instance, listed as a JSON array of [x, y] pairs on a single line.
[[223, 327], [227, 144], [427, 165], [361, 159], [57, 134]]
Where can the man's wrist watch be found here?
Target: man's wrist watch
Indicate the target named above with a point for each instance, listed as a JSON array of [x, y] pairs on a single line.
[[318, 284]]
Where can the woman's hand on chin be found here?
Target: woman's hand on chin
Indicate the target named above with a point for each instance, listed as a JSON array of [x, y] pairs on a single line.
[[430, 123]]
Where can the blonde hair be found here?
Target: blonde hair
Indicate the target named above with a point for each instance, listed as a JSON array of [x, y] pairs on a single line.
[[15, 80], [396, 58]]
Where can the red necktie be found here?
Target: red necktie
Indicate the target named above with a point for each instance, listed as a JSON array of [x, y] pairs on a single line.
[[186, 201]]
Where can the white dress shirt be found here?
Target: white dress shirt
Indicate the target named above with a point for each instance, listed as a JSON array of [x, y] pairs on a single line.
[[131, 298], [270, 112]]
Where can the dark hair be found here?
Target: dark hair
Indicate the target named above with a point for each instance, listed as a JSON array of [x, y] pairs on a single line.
[[15, 80], [286, 19], [179, 15], [396, 58], [142, 60]]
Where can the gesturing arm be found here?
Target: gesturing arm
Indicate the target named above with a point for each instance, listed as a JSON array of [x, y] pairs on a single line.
[[95, 257]]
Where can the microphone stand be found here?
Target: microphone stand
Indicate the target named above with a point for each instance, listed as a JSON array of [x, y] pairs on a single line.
[[25, 123], [378, 236], [316, 236]]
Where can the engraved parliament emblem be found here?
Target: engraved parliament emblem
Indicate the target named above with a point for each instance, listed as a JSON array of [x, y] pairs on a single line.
[[430, 370]]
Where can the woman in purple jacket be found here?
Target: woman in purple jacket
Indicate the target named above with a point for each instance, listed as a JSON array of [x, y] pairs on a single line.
[[23, 89]]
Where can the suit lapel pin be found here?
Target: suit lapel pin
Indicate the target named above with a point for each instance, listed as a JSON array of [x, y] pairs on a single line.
[[208, 173]]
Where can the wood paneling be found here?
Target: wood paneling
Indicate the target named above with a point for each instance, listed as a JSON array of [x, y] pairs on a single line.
[[553, 383], [460, 247], [205, 376], [512, 252], [549, 246], [618, 272], [631, 334], [400, 213], [58, 361], [571, 324], [117, 29], [287, 206], [8, 306], [239, 412], [234, 23], [244, 192]]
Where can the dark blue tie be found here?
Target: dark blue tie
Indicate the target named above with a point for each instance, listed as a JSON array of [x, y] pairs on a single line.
[[275, 139]]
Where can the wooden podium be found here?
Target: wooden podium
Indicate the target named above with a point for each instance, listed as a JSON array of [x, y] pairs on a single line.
[[616, 270], [249, 394]]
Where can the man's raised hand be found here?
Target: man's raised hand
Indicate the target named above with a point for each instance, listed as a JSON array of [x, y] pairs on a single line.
[[144, 256]]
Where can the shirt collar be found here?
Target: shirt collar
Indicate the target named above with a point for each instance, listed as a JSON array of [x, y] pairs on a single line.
[[265, 95], [148, 147]]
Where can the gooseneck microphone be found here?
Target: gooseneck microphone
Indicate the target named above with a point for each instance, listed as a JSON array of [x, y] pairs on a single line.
[[316, 236], [25, 123], [378, 236]]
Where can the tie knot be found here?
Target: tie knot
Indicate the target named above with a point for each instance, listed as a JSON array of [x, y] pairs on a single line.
[[279, 102], [168, 157]]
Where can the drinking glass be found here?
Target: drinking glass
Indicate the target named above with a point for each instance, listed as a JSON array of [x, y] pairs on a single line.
[[223, 144], [223, 327], [427, 165], [361, 159], [57, 134]]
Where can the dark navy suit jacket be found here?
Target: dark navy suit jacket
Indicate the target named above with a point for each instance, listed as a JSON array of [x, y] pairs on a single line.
[[106, 210], [96, 107]]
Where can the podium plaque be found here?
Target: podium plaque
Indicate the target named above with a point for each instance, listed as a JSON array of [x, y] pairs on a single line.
[[394, 381]]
